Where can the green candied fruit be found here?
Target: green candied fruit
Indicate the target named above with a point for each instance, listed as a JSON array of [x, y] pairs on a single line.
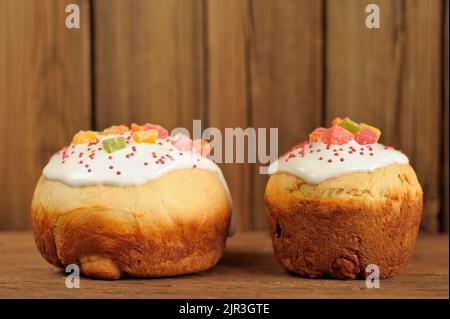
[[350, 126], [114, 144]]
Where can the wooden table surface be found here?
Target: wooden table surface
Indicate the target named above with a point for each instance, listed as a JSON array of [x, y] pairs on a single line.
[[247, 270]]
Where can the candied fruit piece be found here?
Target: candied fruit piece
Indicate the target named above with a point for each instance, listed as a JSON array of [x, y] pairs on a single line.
[[84, 137], [336, 135], [182, 142], [366, 136], [315, 135], [201, 146], [114, 144], [336, 121], [350, 125], [116, 129], [376, 130], [162, 132], [135, 127], [149, 136]]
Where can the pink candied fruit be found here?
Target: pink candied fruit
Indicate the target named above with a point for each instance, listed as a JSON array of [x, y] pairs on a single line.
[[182, 142], [366, 136], [336, 135], [162, 132]]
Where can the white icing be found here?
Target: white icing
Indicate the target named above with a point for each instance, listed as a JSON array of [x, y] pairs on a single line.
[[309, 166], [135, 169]]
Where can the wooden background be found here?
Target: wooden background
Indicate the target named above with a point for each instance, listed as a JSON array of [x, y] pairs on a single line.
[[291, 64]]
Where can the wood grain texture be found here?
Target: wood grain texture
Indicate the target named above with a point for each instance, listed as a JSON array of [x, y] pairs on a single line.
[[286, 60], [149, 62], [445, 132], [247, 270], [45, 95], [390, 77], [228, 94], [420, 100]]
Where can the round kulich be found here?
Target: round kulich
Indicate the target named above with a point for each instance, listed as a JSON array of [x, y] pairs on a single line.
[[340, 226], [174, 225]]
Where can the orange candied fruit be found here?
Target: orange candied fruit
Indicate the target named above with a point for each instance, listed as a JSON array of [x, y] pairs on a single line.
[[336, 121], [135, 127], [84, 137], [315, 135], [149, 136], [116, 129]]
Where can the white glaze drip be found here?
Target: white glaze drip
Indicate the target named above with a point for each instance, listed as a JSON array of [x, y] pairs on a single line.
[[313, 166]]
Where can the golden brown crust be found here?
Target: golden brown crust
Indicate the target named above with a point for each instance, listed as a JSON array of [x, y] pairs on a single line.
[[338, 227], [174, 225]]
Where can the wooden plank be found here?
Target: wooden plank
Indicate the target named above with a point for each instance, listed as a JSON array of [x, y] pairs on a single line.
[[45, 95], [247, 270], [149, 62], [286, 58], [445, 105], [390, 77], [228, 95], [420, 100]]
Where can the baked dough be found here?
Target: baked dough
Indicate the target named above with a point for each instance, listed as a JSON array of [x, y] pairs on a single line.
[[338, 227], [174, 225]]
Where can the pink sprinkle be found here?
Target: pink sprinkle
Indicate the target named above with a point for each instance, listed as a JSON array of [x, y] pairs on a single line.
[[134, 148]]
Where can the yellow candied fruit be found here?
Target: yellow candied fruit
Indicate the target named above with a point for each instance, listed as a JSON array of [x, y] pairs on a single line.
[[116, 129], [374, 129], [336, 121], [149, 136], [84, 137]]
